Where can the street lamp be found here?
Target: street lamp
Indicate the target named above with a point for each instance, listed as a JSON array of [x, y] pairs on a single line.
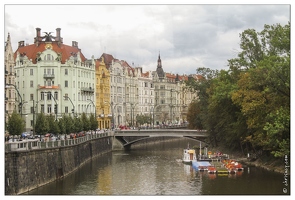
[[93, 105], [34, 114], [73, 110], [55, 106]]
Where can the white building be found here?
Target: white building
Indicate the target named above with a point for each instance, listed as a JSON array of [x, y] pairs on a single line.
[[53, 78]]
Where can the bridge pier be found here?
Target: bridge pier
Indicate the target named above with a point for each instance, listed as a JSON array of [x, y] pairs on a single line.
[[117, 145]]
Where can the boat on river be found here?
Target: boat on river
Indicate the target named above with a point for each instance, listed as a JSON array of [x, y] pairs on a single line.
[[201, 165], [189, 155]]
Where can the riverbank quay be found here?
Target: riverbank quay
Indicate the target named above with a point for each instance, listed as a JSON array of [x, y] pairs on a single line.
[[29, 165], [264, 162]]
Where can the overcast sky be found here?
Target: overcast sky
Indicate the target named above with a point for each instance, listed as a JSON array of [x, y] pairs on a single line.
[[187, 36]]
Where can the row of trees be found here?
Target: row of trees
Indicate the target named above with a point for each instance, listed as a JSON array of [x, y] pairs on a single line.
[[248, 106], [48, 124]]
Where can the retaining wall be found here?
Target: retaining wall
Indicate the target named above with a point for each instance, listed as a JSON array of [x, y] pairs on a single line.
[[27, 170]]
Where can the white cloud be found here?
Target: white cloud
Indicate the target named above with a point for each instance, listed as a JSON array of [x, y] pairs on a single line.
[[187, 36]]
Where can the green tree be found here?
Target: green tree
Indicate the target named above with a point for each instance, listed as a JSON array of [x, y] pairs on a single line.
[[53, 126], [142, 119], [15, 124], [42, 126], [62, 126], [85, 122], [77, 125], [264, 87], [193, 116], [68, 122], [93, 122]]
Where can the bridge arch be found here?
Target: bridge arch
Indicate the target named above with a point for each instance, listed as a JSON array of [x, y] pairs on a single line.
[[127, 138]]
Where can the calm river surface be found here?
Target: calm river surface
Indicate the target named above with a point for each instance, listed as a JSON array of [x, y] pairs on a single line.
[[156, 170]]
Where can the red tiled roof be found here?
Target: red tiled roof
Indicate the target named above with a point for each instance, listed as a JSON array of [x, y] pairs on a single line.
[[31, 51], [146, 74]]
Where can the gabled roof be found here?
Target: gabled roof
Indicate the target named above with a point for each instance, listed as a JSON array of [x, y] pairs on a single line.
[[31, 51]]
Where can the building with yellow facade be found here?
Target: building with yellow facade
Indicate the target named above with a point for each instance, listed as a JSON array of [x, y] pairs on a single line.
[[102, 95]]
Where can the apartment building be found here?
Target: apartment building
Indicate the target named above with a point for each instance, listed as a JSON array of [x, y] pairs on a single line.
[[53, 78]]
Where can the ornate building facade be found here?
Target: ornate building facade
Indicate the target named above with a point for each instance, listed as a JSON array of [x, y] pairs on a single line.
[[53, 78], [10, 90], [103, 95]]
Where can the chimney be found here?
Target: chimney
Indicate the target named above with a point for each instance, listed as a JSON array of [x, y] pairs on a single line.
[[21, 44], [57, 38], [38, 32], [38, 37], [58, 33], [74, 44]]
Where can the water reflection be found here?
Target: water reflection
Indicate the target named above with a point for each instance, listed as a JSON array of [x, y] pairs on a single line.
[[156, 170]]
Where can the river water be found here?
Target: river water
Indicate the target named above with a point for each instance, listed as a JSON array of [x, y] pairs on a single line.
[[156, 170]]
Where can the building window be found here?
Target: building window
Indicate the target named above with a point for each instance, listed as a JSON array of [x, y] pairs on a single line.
[[66, 71], [48, 57], [31, 72], [48, 95], [32, 109], [42, 95], [56, 95], [66, 109], [31, 97], [49, 108], [66, 83], [42, 108]]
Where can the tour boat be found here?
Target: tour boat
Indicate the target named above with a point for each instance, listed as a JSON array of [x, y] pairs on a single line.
[[189, 155]]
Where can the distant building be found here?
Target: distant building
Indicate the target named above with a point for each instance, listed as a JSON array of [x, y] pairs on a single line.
[[51, 77], [10, 91], [103, 95]]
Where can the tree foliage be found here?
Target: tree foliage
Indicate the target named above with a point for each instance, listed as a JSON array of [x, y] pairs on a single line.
[[42, 125], [53, 126], [248, 106], [15, 124], [143, 119], [93, 122]]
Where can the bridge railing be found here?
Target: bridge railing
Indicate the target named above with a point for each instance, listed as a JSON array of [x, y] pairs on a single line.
[[28, 144]]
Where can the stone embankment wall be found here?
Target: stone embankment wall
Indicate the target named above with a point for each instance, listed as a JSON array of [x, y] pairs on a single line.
[[27, 170]]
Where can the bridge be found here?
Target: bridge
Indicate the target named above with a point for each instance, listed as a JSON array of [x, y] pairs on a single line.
[[129, 137]]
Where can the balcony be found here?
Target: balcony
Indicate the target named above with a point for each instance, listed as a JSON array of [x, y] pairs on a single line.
[[48, 76], [87, 89]]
